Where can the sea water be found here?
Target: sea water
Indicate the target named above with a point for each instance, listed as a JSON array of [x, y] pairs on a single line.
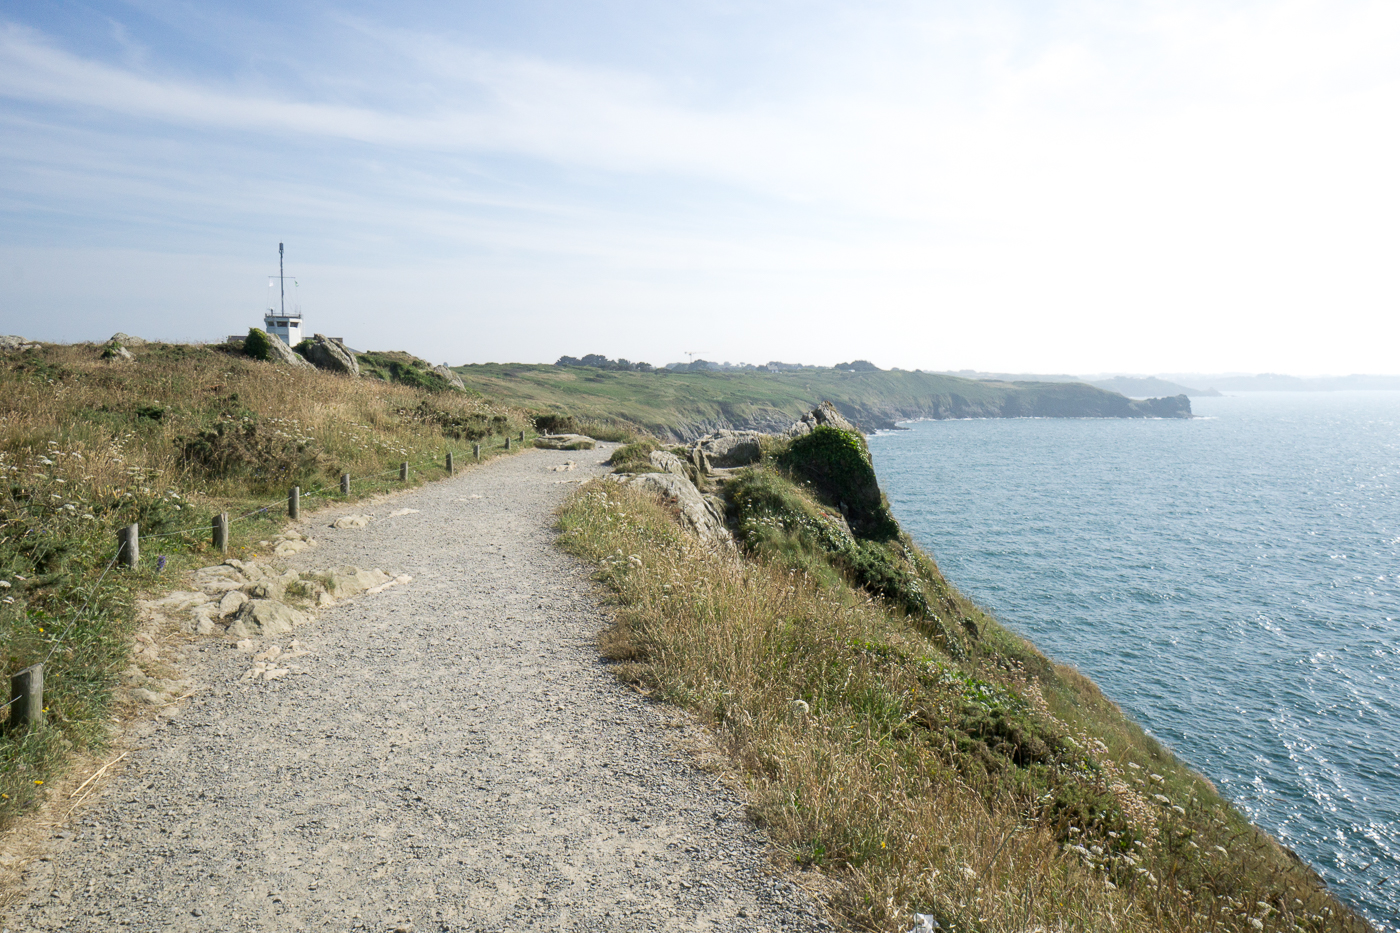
[[1232, 581]]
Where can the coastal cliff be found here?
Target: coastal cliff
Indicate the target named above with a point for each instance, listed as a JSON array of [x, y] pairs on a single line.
[[929, 767], [685, 406]]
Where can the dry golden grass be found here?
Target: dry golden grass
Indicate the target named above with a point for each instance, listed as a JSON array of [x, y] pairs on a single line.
[[843, 718], [184, 432]]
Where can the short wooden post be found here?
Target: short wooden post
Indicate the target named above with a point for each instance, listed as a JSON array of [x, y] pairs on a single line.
[[221, 533], [507, 442], [129, 546], [476, 452], [345, 484], [522, 437], [27, 698], [449, 463], [403, 472], [294, 503]]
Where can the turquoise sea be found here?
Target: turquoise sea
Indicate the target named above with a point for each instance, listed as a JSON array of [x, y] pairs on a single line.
[[1232, 581]]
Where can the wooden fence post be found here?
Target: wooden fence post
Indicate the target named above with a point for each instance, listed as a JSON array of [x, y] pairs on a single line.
[[522, 437], [476, 452], [507, 442], [221, 533], [294, 503], [345, 484], [27, 698], [129, 546], [403, 472], [449, 463]]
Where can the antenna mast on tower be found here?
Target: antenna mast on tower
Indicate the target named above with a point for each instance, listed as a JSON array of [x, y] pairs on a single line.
[[278, 322]]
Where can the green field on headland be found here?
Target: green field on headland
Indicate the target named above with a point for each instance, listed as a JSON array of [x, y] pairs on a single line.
[[684, 405]]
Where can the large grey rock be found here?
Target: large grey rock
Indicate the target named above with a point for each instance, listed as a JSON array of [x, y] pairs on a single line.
[[823, 414], [450, 376], [12, 342], [126, 340], [265, 618], [281, 353], [352, 581], [667, 462], [699, 515], [728, 449], [565, 442], [330, 355]]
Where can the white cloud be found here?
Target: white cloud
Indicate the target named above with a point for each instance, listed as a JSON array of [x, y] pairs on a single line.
[[1066, 170]]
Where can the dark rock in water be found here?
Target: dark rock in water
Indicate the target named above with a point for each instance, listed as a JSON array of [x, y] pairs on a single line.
[[329, 354], [838, 465]]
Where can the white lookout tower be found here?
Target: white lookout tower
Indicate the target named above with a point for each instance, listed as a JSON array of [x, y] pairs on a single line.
[[286, 325]]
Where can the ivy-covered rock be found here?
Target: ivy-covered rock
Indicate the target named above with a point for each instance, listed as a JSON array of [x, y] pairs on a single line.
[[837, 464]]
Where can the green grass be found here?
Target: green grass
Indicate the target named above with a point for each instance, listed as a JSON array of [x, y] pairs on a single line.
[[685, 405], [402, 368]]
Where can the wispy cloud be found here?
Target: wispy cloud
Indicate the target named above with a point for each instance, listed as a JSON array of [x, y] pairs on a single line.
[[1076, 162]]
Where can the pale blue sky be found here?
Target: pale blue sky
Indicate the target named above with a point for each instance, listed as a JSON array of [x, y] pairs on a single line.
[[1034, 186]]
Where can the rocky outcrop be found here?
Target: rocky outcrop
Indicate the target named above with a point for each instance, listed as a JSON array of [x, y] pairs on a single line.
[[248, 599], [823, 414], [326, 353], [565, 442], [667, 462], [128, 341], [279, 352], [265, 618], [452, 378], [701, 515], [12, 342], [116, 352], [727, 449], [837, 464]]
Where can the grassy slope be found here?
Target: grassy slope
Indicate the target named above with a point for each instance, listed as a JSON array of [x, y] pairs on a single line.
[[923, 757], [687, 404], [184, 432]]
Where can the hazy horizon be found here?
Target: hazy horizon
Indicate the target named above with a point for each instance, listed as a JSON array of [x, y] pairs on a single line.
[[1011, 186]]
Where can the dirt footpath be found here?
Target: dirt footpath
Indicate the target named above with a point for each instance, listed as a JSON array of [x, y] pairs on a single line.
[[449, 755]]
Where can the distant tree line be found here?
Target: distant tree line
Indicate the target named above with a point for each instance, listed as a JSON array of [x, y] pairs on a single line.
[[599, 361]]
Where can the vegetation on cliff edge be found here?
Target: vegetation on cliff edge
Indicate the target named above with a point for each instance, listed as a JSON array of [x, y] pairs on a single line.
[[895, 739]]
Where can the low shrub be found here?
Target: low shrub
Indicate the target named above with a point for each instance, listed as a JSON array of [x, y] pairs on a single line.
[[635, 457], [257, 344]]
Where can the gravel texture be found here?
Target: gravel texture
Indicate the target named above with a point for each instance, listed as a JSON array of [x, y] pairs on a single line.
[[448, 755]]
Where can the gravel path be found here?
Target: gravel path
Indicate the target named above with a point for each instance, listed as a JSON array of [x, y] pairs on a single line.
[[451, 755]]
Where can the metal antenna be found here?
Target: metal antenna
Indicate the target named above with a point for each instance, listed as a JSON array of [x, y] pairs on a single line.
[[281, 280]]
